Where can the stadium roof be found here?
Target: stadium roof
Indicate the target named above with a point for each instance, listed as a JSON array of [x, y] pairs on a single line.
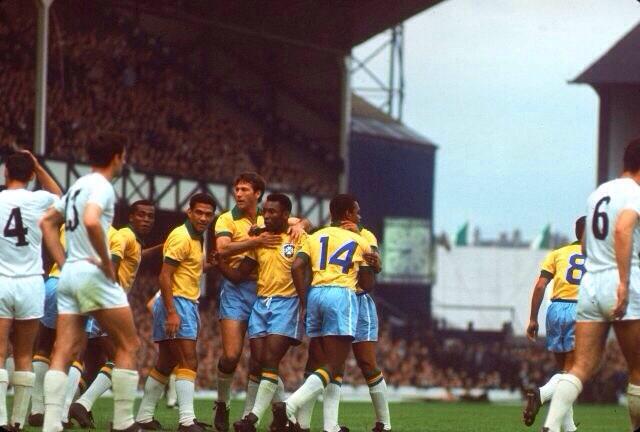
[[619, 65]]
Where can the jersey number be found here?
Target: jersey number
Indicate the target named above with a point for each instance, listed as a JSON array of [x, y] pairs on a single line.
[[600, 222], [574, 265], [342, 257], [72, 223], [18, 230]]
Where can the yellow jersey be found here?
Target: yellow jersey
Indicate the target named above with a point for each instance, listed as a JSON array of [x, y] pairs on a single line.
[[55, 270], [335, 255], [565, 266], [126, 248], [371, 239], [274, 267], [236, 225], [183, 249]]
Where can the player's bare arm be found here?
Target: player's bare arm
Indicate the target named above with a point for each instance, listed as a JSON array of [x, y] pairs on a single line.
[[299, 275], [536, 302], [237, 275], [297, 227], [366, 278], [173, 319], [46, 181], [91, 220], [373, 260], [623, 239], [50, 226], [146, 253], [227, 248]]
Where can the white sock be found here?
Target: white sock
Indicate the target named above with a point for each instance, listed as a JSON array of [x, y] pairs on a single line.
[[172, 397], [40, 367], [23, 385], [305, 412], [331, 406], [224, 387], [378, 393], [10, 366], [312, 388], [55, 384], [546, 391], [279, 395], [252, 390], [100, 384], [185, 388], [125, 383], [75, 373], [4, 383], [153, 388], [633, 398], [266, 390], [567, 423], [567, 391]]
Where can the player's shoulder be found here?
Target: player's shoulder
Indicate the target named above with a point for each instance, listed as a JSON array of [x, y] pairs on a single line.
[[369, 236], [224, 219], [567, 249], [179, 232]]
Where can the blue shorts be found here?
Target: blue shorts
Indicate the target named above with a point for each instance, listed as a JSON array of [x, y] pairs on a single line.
[[236, 300], [367, 326], [331, 311], [189, 319], [277, 316], [92, 328], [561, 323], [50, 303]]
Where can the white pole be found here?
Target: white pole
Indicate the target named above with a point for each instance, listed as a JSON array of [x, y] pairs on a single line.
[[42, 56], [345, 121]]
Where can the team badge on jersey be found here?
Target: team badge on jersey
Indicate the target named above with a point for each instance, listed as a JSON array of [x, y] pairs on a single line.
[[287, 250]]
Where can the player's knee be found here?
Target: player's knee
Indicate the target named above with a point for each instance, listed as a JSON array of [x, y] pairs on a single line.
[[130, 346], [367, 366], [231, 358]]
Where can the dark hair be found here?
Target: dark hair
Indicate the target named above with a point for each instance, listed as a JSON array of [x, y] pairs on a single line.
[[282, 199], [256, 181], [202, 198], [102, 150], [143, 202], [631, 160], [580, 223], [340, 205], [20, 167]]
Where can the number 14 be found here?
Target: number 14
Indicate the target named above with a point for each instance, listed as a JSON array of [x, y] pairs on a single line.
[[342, 257]]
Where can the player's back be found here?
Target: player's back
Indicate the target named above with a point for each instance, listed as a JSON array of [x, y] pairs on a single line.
[[335, 255], [21, 237], [91, 188], [603, 207]]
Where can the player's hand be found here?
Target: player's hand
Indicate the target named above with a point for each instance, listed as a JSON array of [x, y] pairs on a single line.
[[33, 158], [373, 260], [350, 226], [296, 231], [212, 261], [622, 300], [172, 324], [107, 268], [268, 240], [532, 330]]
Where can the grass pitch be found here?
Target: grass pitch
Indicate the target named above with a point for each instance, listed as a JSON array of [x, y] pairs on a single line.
[[410, 417]]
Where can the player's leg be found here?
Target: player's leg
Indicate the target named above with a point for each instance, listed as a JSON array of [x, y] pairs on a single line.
[[74, 376], [154, 386], [5, 328], [590, 341], [336, 349], [365, 355], [628, 335], [25, 332], [232, 333], [119, 325], [315, 360], [257, 346], [184, 351]]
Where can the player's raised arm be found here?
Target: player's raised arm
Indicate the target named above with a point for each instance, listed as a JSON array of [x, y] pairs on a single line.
[[50, 226], [298, 226], [623, 240], [46, 181]]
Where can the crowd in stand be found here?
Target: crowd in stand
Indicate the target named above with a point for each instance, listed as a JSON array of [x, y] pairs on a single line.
[[113, 76]]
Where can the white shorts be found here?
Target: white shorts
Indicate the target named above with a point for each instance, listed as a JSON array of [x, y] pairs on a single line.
[[598, 295], [21, 298], [84, 288]]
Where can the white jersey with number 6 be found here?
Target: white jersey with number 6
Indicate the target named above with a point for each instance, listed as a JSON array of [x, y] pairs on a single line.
[[603, 207], [21, 238], [92, 188]]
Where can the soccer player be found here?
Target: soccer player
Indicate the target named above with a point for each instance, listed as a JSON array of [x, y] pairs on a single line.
[[126, 254], [334, 256], [175, 316], [21, 283], [565, 266], [609, 291], [88, 284], [236, 300], [274, 324]]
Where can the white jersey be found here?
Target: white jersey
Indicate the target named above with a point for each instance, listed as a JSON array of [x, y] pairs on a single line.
[[21, 237], [92, 188], [603, 207]]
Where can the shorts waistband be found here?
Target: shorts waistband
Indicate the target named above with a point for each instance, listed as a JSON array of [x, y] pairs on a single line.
[[563, 301]]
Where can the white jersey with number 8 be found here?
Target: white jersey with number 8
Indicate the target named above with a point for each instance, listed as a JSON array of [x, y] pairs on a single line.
[[21, 237], [603, 207], [92, 188]]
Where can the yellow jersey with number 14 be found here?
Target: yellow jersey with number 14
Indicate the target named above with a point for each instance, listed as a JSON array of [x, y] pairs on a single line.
[[335, 255], [565, 266]]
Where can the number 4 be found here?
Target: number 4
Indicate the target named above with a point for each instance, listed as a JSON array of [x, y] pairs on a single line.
[[18, 229], [336, 258]]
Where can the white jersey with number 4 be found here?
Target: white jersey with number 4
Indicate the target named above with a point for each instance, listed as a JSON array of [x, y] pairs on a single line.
[[603, 207], [20, 235], [92, 188]]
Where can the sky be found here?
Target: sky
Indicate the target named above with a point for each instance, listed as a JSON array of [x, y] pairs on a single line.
[[487, 82]]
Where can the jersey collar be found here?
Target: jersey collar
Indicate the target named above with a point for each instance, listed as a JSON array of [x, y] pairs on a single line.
[[339, 225], [192, 231], [236, 213]]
